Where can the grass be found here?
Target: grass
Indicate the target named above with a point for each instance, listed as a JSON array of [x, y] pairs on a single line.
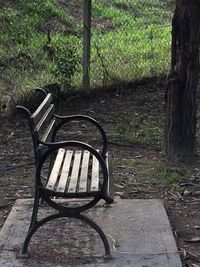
[[140, 40], [24, 61], [130, 40], [158, 172]]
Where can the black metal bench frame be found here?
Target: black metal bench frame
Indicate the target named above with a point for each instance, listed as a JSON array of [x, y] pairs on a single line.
[[45, 147]]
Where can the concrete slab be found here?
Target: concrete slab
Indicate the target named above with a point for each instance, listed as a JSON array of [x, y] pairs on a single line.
[[139, 234]]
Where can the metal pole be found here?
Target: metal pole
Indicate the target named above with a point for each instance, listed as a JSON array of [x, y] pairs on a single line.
[[86, 44]]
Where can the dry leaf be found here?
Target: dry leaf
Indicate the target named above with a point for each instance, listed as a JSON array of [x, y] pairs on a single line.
[[120, 194], [119, 186], [193, 240], [184, 254], [193, 256], [176, 234], [193, 265]]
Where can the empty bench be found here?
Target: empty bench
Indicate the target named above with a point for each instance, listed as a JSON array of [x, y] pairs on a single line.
[[67, 169]]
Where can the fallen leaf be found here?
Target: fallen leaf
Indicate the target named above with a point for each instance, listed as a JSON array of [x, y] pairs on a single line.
[[193, 240], [120, 194], [187, 193], [193, 256], [184, 254], [176, 234], [193, 265], [119, 186]]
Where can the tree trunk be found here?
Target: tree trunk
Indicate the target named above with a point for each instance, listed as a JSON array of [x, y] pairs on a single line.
[[180, 128]]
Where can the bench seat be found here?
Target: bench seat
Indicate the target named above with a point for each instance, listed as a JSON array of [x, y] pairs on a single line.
[[75, 173]]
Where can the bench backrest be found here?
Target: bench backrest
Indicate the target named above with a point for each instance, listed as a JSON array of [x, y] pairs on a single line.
[[41, 123], [41, 120]]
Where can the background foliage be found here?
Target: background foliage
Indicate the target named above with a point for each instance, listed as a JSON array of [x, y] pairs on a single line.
[[41, 42]]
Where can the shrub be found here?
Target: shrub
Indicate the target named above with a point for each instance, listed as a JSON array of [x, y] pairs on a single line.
[[65, 64]]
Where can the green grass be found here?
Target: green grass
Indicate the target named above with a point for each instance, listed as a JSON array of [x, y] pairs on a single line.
[[139, 43], [130, 40], [24, 27], [158, 172]]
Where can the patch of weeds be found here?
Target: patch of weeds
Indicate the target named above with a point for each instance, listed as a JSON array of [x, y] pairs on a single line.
[[158, 172], [167, 176], [65, 63], [137, 130]]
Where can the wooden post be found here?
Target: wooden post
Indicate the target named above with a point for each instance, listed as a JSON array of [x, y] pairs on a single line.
[[86, 44]]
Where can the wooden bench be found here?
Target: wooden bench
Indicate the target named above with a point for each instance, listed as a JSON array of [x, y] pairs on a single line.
[[66, 169]]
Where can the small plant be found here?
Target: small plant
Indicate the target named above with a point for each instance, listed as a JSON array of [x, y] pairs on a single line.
[[66, 61]]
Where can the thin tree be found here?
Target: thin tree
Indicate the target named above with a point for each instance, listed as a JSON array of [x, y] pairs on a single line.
[[180, 104]]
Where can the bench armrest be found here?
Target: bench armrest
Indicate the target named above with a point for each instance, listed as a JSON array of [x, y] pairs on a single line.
[[65, 119], [52, 147]]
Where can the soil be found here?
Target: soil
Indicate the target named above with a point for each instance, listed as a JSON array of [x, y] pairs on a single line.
[[17, 162]]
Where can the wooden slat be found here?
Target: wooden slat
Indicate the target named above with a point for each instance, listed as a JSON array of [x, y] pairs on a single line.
[[55, 170], [65, 171], [45, 119], [40, 111], [84, 172], [75, 171], [108, 187], [95, 175], [48, 133]]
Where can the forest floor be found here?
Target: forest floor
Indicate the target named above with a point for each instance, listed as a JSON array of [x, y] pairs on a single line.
[[133, 119]]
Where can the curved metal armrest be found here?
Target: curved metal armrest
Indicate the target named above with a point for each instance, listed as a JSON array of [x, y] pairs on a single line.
[[56, 145], [65, 119]]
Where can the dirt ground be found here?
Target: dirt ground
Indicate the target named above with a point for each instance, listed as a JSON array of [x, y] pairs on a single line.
[[113, 109]]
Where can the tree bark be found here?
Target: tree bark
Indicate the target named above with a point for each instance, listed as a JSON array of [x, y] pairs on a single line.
[[180, 101]]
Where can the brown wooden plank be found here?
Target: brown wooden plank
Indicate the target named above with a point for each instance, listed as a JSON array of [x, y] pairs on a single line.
[[55, 170], [48, 133], [40, 111], [45, 119], [75, 172], [84, 172], [95, 175], [65, 171]]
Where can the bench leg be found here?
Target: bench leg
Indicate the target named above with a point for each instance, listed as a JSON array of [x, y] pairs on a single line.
[[35, 210], [32, 227], [79, 216]]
